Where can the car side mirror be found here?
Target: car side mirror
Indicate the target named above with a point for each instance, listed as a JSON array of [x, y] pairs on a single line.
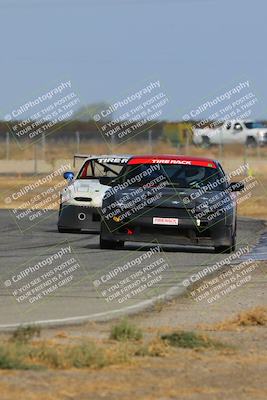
[[106, 180], [69, 175], [236, 186]]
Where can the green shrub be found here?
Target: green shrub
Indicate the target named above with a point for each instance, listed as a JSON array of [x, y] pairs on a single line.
[[85, 354], [11, 357], [24, 334], [189, 340], [124, 330]]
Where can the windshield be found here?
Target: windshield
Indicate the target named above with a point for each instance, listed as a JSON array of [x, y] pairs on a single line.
[[179, 176], [94, 169], [254, 125]]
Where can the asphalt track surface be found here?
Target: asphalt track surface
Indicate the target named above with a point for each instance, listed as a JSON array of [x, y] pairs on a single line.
[[79, 299]]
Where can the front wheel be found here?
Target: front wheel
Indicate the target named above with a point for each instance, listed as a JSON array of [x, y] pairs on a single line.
[[223, 249], [66, 230], [60, 209], [110, 244], [205, 142], [251, 142], [227, 249]]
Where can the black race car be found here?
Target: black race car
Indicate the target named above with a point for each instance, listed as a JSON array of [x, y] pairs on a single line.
[[173, 200]]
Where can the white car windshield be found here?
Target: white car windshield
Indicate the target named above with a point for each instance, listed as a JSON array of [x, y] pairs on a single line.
[[182, 176], [95, 169], [255, 125]]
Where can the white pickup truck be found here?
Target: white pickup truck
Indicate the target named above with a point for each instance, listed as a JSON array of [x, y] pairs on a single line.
[[250, 133]]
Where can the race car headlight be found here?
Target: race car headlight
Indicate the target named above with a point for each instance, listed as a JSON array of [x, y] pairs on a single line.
[[66, 195], [261, 135]]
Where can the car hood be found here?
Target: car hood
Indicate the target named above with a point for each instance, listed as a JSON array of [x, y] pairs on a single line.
[[80, 191], [259, 131], [170, 197]]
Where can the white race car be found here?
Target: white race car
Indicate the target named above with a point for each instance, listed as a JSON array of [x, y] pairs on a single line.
[[81, 199]]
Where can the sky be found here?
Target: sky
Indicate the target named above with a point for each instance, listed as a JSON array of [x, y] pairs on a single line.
[[197, 49]]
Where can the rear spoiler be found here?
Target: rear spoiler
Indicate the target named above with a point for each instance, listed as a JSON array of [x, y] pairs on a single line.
[[81, 156]]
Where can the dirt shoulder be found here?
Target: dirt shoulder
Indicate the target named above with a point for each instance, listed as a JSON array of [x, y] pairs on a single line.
[[237, 370]]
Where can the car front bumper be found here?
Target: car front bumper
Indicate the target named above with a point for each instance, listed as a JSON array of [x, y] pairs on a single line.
[[141, 229], [263, 141], [79, 218]]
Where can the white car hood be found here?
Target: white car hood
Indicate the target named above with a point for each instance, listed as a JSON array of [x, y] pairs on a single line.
[[87, 189]]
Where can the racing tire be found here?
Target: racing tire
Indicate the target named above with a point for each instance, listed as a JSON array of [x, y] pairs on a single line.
[[222, 249], [233, 247], [227, 249], [65, 230], [110, 244], [205, 142], [251, 142], [60, 206]]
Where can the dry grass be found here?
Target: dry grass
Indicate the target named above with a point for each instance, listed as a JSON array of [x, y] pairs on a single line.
[[65, 150], [231, 158], [155, 348], [147, 369], [15, 184], [49, 354], [254, 317], [171, 372], [25, 334], [125, 346], [254, 208]]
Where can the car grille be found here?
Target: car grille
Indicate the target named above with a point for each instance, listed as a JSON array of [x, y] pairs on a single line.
[[169, 212], [88, 199]]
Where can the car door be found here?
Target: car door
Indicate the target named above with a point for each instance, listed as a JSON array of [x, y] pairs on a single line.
[[226, 133]]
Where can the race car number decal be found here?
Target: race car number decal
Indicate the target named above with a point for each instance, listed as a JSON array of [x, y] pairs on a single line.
[[165, 221]]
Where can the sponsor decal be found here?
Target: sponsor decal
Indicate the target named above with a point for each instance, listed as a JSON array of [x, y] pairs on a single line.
[[165, 221], [172, 161], [113, 160]]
